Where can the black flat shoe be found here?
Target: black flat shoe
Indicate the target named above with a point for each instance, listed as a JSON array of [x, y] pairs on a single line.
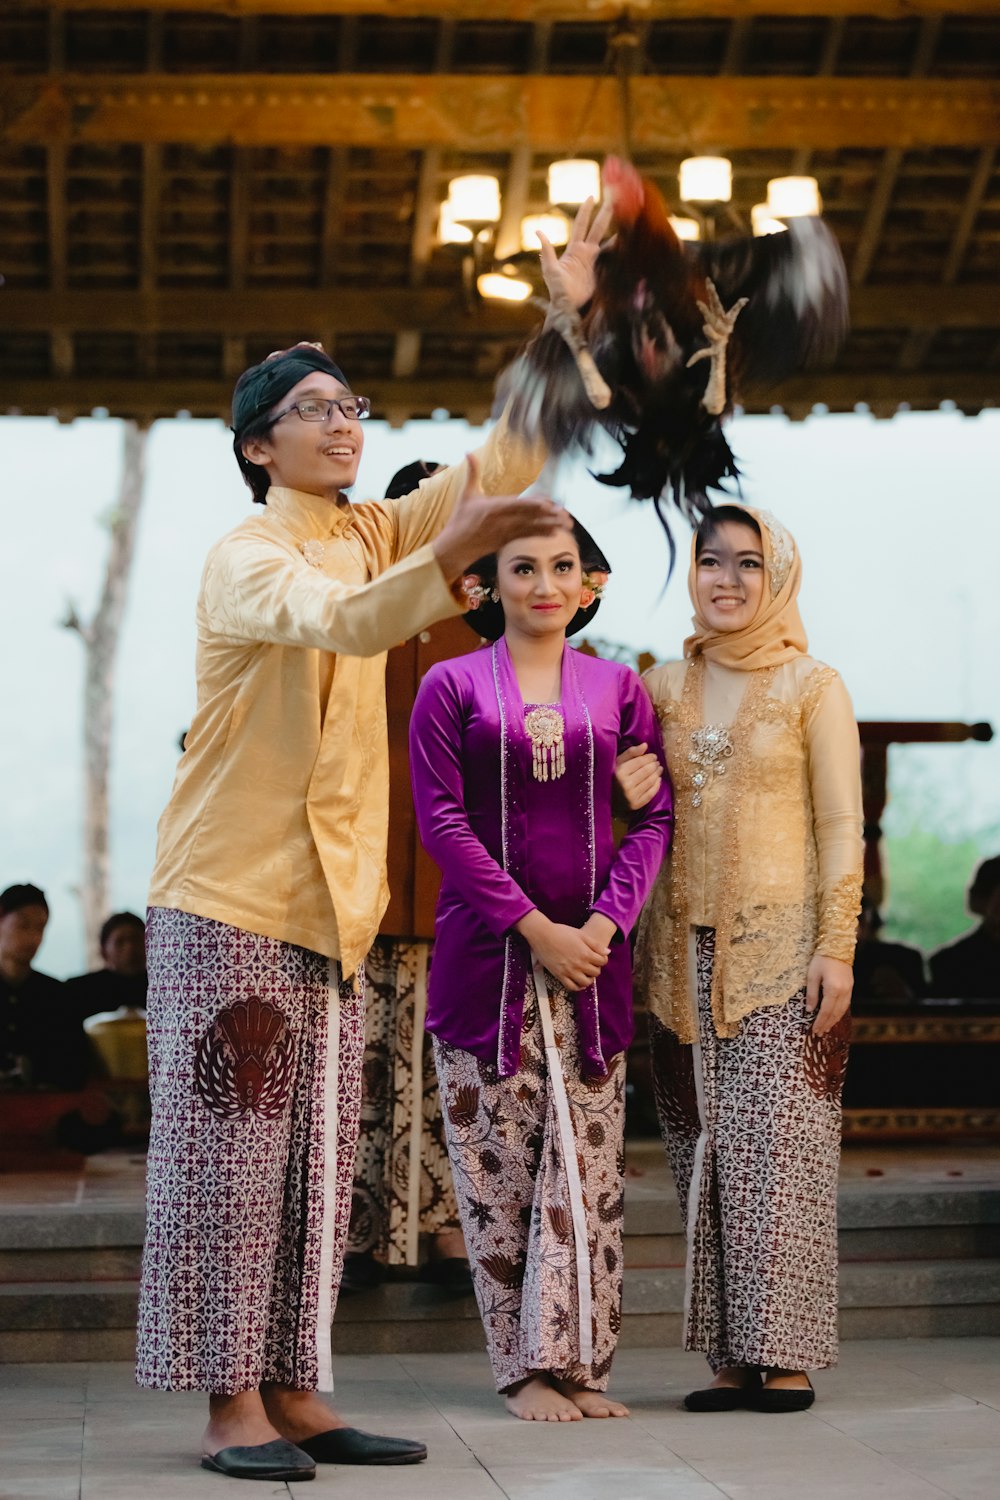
[[783, 1399], [724, 1397], [277, 1459], [349, 1445]]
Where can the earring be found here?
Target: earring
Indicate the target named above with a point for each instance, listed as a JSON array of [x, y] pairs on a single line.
[[495, 595]]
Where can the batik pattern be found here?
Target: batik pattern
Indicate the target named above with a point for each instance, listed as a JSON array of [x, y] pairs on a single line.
[[389, 1150], [756, 1171], [513, 1197], [255, 1074]]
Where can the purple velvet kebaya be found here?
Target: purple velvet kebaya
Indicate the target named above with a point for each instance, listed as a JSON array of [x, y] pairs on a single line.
[[508, 843]]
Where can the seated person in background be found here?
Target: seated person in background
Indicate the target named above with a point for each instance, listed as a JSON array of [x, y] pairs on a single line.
[[122, 981], [969, 968], [40, 1045], [885, 974]]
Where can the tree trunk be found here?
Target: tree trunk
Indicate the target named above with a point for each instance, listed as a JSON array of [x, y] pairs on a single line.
[[100, 638]]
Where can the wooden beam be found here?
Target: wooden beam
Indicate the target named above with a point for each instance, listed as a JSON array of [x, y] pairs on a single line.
[[334, 199], [967, 218], [970, 389], [406, 354], [917, 345], [431, 310], [474, 112], [61, 348], [888, 175], [802, 160], [541, 10]]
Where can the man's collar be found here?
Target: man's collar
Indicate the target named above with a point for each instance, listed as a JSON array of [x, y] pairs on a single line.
[[308, 515]]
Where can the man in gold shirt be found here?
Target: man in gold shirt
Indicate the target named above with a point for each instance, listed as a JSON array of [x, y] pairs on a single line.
[[268, 889]]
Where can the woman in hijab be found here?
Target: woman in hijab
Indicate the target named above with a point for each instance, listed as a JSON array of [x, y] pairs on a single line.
[[744, 956], [512, 757]]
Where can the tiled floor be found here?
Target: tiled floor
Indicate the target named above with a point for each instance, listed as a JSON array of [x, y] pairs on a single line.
[[906, 1420]]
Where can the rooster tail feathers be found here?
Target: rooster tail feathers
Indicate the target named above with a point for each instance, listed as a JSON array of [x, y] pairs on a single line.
[[545, 397]]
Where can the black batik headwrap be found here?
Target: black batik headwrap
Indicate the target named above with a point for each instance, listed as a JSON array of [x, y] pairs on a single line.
[[259, 389]]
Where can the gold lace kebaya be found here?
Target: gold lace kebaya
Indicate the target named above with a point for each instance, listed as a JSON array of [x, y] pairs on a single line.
[[545, 726], [771, 854]]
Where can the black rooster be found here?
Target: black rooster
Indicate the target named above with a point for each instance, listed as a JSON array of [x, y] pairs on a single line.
[[672, 333]]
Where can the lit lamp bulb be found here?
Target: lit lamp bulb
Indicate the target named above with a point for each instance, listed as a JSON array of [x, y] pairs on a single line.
[[500, 288], [764, 222], [450, 232], [475, 199], [706, 179], [555, 227], [574, 181], [793, 198], [685, 229]]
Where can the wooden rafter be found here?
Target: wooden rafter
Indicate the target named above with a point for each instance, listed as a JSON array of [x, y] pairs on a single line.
[[918, 344], [543, 10], [432, 310], [888, 174], [406, 355], [149, 398], [515, 197], [61, 342], [469, 112]]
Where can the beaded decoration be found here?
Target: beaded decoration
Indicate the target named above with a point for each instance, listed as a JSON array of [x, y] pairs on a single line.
[[711, 748], [545, 726], [314, 552], [782, 551]]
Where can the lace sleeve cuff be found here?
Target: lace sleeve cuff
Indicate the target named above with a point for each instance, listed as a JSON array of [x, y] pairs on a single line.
[[838, 919]]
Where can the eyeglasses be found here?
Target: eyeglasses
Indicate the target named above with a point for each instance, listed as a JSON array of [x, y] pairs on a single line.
[[354, 408]]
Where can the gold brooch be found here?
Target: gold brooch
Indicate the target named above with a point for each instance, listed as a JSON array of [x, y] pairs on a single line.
[[545, 730], [711, 747]]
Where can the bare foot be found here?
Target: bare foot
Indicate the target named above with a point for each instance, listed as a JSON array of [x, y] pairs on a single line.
[[298, 1414], [786, 1380], [537, 1400], [591, 1403], [449, 1244], [238, 1421]]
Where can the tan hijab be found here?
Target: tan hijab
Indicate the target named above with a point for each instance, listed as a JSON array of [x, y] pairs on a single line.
[[776, 633]]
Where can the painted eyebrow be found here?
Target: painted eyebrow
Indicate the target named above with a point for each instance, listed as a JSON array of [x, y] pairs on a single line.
[[746, 552], [526, 557]]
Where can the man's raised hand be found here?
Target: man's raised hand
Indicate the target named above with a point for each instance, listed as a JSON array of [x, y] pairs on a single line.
[[481, 524]]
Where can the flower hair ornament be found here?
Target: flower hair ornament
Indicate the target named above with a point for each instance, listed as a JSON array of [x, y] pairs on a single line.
[[475, 590], [595, 581]]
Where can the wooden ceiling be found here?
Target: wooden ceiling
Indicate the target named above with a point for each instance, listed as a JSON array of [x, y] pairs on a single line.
[[187, 185]]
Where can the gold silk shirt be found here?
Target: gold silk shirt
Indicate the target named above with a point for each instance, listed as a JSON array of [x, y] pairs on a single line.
[[277, 822], [767, 845]]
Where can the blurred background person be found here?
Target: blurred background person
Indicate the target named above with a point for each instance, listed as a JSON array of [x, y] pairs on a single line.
[[40, 1046], [885, 974], [403, 1191], [969, 968], [122, 980]]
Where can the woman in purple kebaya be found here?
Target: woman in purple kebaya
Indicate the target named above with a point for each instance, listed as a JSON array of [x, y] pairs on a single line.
[[512, 755]]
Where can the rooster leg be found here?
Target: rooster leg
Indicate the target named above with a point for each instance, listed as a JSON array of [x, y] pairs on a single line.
[[718, 328], [561, 315]]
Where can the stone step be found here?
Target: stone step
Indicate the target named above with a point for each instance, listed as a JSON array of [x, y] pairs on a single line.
[[53, 1320], [653, 1210]]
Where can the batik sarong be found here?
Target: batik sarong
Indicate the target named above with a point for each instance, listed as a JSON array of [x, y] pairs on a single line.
[[514, 1198], [402, 1180], [752, 1129], [255, 1050]]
